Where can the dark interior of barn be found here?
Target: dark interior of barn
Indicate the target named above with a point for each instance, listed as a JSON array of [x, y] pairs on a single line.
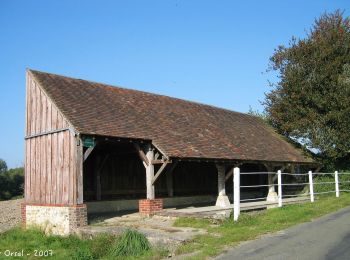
[[122, 175]]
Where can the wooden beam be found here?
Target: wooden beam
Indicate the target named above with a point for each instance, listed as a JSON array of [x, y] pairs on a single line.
[[48, 133], [282, 169], [170, 180], [141, 154], [160, 161], [159, 172], [88, 152], [173, 165], [229, 173], [161, 151], [156, 156]]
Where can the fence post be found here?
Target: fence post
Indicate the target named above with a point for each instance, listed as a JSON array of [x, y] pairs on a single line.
[[279, 181], [336, 183], [236, 193], [311, 187]]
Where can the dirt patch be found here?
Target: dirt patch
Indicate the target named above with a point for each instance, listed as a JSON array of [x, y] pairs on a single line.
[[10, 214]]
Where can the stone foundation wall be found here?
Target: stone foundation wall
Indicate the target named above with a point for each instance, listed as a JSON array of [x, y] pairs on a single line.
[[23, 214], [57, 220]]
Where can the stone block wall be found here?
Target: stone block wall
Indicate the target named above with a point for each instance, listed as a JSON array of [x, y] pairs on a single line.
[[53, 219]]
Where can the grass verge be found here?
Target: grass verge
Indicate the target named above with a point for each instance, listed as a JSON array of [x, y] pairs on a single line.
[[130, 245], [252, 225]]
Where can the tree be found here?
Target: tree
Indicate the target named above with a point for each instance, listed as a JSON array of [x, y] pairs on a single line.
[[310, 101], [3, 166]]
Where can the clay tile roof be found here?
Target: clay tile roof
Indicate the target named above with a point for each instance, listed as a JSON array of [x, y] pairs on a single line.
[[180, 128]]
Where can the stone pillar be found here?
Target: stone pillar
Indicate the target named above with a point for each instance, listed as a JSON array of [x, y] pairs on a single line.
[[60, 220], [222, 200], [272, 196]]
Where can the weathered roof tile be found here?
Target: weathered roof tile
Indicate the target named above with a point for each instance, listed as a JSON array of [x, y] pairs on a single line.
[[181, 128]]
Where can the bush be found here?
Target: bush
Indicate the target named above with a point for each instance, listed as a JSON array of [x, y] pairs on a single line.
[[131, 243], [12, 183], [344, 182]]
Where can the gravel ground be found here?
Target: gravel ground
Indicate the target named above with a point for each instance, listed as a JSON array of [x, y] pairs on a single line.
[[10, 214]]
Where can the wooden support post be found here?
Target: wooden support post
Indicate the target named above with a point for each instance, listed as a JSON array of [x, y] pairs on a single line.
[[170, 183], [170, 179], [79, 171], [98, 177], [98, 186], [150, 172]]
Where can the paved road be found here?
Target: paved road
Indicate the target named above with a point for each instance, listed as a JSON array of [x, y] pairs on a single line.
[[325, 238]]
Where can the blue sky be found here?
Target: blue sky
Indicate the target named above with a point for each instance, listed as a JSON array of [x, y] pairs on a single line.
[[213, 52]]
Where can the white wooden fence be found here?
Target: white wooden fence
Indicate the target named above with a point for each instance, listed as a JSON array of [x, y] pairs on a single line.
[[237, 187]]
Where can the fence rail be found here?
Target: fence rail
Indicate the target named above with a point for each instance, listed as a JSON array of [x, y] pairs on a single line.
[[311, 183]]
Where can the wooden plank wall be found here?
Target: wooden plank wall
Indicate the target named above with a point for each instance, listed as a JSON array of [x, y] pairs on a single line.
[[50, 160]]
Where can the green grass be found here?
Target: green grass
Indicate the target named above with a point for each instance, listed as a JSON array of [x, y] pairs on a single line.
[[72, 247], [252, 225], [131, 243]]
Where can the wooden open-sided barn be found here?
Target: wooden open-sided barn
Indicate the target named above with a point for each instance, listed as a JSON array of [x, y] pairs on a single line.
[[92, 148]]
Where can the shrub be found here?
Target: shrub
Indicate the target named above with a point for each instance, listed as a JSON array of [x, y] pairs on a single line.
[[344, 182], [131, 243], [11, 183]]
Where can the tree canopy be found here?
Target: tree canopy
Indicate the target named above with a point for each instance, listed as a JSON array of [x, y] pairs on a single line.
[[310, 101], [3, 166]]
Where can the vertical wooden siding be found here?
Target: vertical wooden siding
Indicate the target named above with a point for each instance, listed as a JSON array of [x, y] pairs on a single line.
[[50, 161], [41, 114]]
